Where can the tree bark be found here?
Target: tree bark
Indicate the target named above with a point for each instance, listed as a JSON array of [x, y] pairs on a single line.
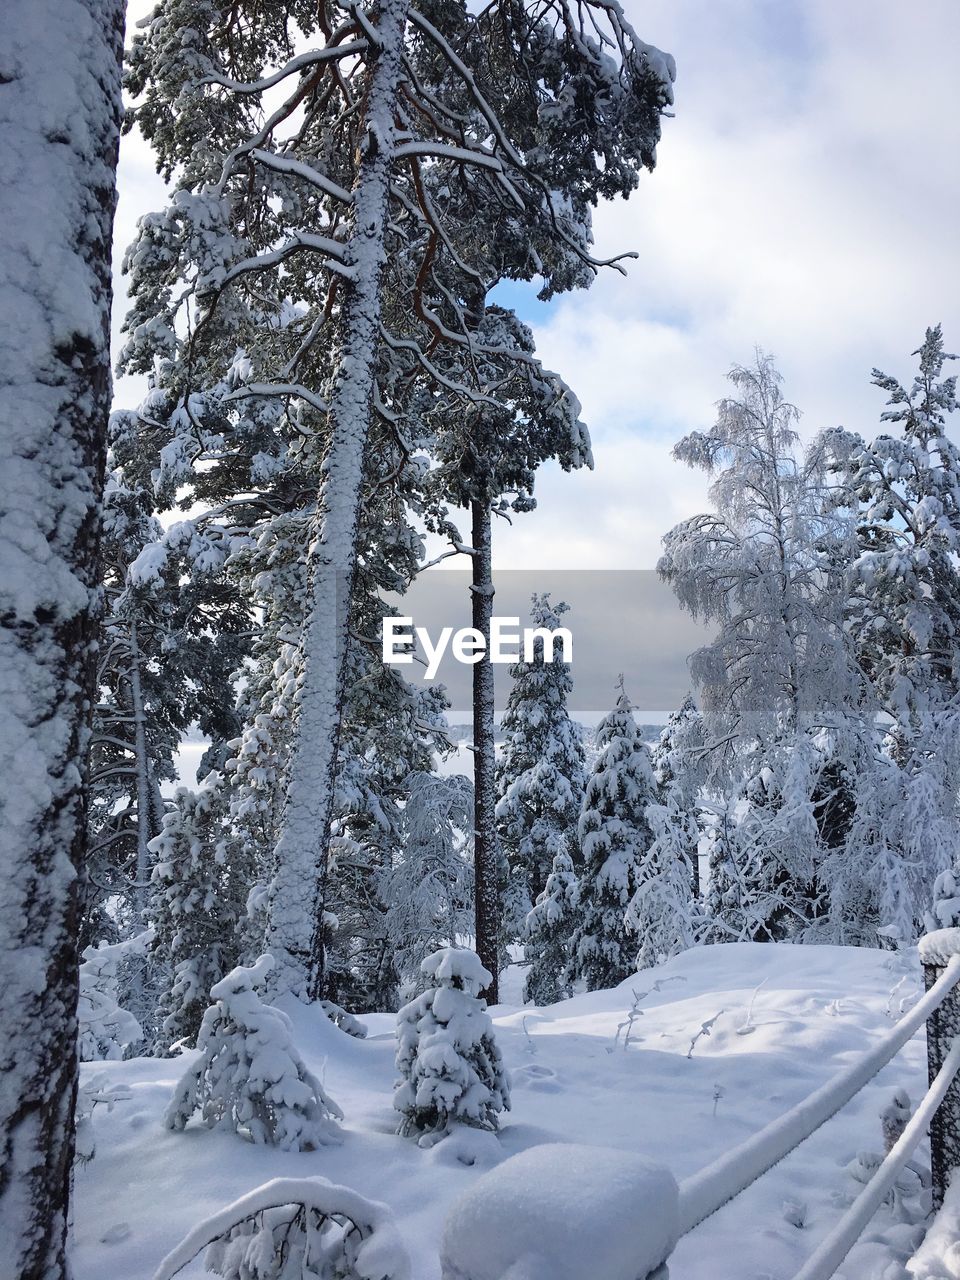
[[486, 862], [147, 815], [295, 921], [59, 131]]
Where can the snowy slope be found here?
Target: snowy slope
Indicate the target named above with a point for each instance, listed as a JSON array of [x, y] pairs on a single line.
[[817, 1009]]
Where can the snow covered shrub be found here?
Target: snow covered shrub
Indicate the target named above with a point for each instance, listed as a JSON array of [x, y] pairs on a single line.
[[944, 912], [451, 1071], [296, 1229], [97, 1091], [106, 1031], [549, 929], [345, 1021], [249, 1076]]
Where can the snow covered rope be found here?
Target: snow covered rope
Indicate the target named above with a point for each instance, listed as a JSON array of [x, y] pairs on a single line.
[[333, 1233], [824, 1261], [717, 1184], [936, 951]]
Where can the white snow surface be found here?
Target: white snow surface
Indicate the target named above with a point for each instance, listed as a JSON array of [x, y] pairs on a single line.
[[817, 1010], [938, 1258], [563, 1212]]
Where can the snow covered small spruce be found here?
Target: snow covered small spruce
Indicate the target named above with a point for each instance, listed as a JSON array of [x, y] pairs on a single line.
[[549, 932], [106, 1031], [614, 837], [429, 889], [563, 1212], [540, 773], [296, 1229], [663, 913], [199, 889], [249, 1076], [451, 1071]]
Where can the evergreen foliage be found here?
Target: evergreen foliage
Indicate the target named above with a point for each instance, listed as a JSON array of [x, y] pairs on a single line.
[[614, 836], [249, 1077], [451, 1071]]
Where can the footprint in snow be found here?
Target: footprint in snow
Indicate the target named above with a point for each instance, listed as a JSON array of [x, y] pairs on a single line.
[[535, 1076], [113, 1235]]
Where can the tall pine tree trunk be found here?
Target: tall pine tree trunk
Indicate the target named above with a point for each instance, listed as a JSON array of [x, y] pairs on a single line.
[[485, 858], [59, 130], [295, 927], [147, 816]]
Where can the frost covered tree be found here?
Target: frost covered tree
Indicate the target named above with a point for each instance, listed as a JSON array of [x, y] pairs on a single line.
[[170, 646], [540, 773], [614, 836], [106, 1029], [451, 1071], [664, 913], [429, 888], [249, 1076], [59, 127], [905, 602], [548, 934], [298, 267], [764, 566], [903, 613], [199, 895]]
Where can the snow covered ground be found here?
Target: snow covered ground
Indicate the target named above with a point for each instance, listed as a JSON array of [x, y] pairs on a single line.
[[817, 1008]]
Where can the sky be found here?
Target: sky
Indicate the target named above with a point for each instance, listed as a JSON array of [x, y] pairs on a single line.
[[804, 200]]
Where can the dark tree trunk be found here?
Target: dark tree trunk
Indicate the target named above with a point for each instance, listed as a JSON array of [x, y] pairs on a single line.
[[59, 130], [486, 861]]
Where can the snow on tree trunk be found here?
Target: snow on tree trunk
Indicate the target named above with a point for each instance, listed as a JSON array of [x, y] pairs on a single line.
[[295, 930], [145, 783], [59, 129], [486, 859]]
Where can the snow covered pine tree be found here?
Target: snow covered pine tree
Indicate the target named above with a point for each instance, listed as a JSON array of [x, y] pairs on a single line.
[[59, 129], [336, 222], [549, 932], [903, 613], [664, 911], [450, 1067], [614, 836], [540, 774], [249, 1076]]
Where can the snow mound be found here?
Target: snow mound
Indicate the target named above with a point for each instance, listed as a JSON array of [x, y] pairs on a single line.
[[563, 1212], [938, 1258]]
